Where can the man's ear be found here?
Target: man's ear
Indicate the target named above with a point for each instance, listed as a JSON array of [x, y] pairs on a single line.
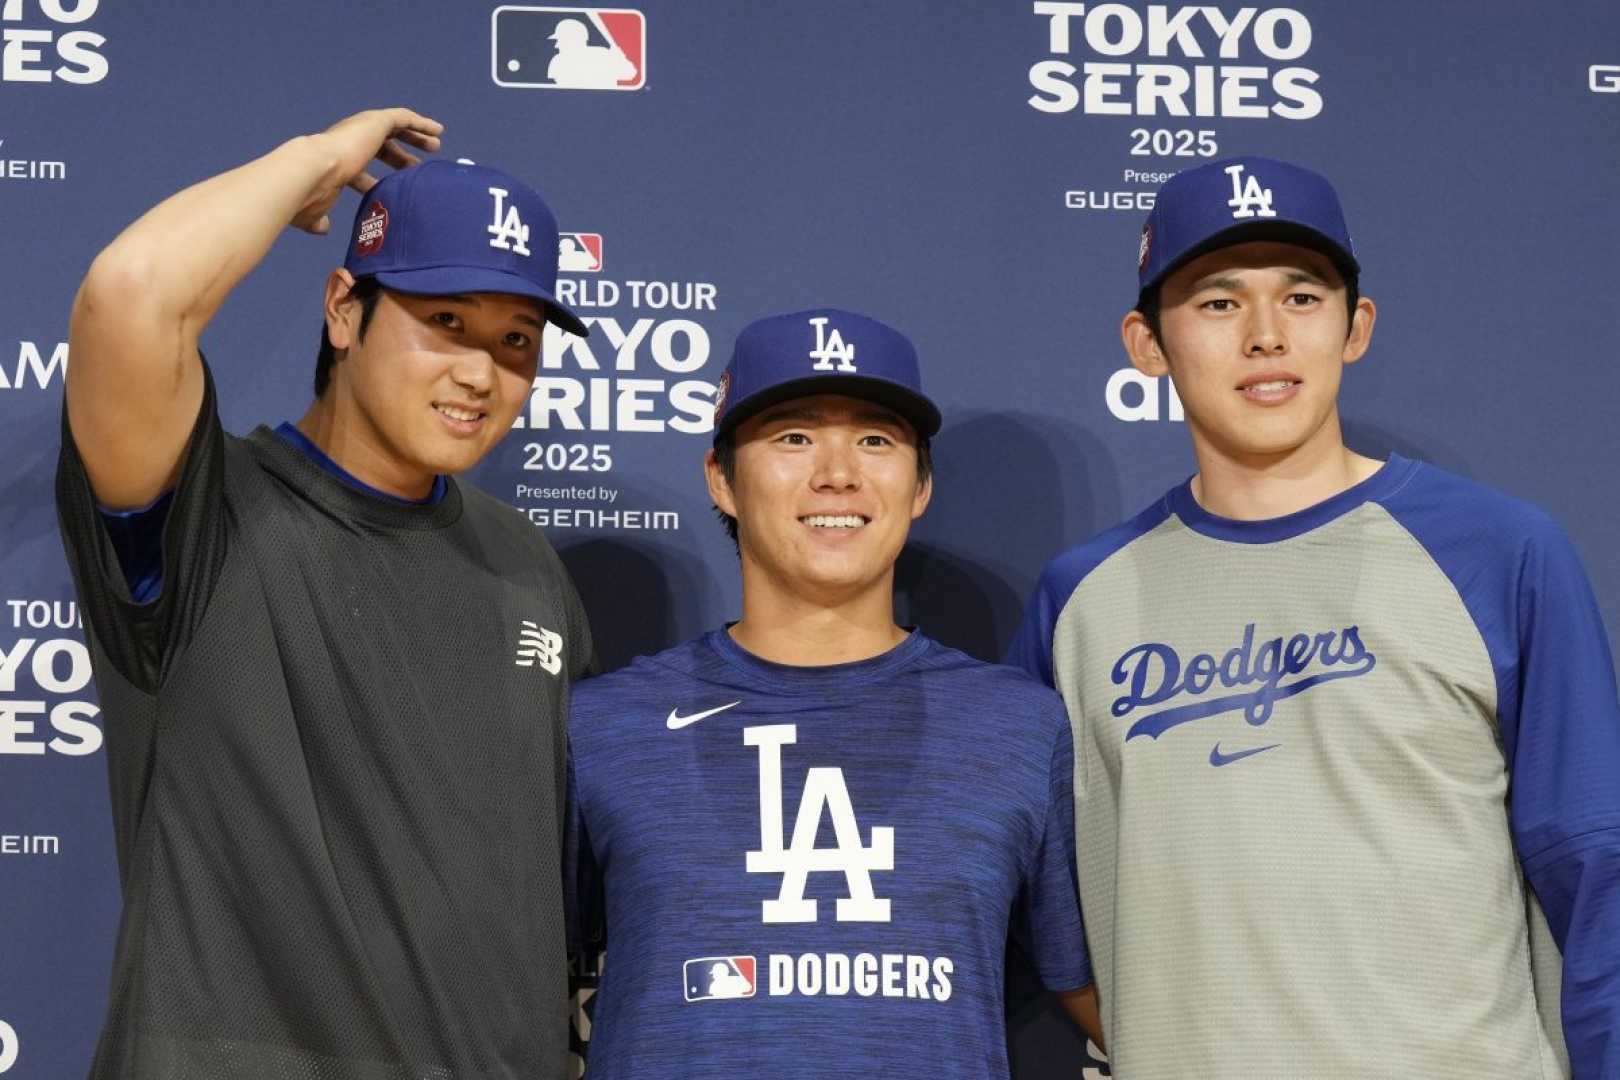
[[925, 492], [719, 490], [1359, 339], [342, 311], [1143, 348]]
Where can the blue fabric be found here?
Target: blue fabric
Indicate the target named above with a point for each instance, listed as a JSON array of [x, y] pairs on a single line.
[[1526, 591], [695, 777], [137, 537], [1031, 648]]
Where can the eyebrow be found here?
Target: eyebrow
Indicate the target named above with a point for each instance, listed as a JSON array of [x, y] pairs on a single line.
[[1231, 284], [802, 415]]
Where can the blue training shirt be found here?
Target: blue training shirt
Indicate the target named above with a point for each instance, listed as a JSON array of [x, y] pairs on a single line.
[[813, 871], [1349, 782]]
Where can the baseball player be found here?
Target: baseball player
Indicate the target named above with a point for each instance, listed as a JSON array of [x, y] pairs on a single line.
[[812, 829], [333, 678], [1346, 732]]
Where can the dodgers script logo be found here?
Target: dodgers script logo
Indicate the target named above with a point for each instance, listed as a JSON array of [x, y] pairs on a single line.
[[1155, 674]]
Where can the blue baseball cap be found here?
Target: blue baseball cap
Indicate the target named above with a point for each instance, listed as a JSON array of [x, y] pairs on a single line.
[[445, 227], [822, 351], [1237, 200]]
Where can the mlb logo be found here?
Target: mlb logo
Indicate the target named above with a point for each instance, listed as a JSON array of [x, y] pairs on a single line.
[[719, 978], [555, 48], [579, 252]]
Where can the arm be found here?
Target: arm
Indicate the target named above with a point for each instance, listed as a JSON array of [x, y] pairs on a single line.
[[1081, 1005], [134, 383], [1562, 736]]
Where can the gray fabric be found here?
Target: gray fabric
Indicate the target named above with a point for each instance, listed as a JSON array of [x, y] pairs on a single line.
[[1347, 903]]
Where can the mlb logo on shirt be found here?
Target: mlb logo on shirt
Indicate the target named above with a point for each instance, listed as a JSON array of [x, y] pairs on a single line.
[[717, 978], [579, 252], [556, 48]]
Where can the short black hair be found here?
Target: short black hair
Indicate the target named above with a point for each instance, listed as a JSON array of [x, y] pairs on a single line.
[[368, 291], [725, 455], [1148, 301]]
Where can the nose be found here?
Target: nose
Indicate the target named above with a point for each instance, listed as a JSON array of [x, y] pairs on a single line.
[[474, 371], [1264, 335], [837, 468]]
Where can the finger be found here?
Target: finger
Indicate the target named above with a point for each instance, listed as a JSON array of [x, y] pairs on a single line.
[[397, 156], [323, 226], [430, 143], [415, 121], [363, 182]]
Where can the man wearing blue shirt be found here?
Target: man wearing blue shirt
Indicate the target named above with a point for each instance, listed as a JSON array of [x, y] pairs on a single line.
[[811, 831], [1346, 733]]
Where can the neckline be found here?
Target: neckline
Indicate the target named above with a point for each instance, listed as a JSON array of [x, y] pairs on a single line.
[[1389, 477], [289, 431], [299, 469], [801, 679]]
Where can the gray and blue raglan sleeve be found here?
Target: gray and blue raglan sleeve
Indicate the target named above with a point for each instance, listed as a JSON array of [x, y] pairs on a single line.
[[1524, 586]]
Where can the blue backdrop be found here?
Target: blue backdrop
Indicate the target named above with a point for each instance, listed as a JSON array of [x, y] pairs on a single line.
[[975, 173]]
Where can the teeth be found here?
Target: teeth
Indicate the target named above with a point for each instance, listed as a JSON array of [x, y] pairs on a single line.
[[458, 414], [1279, 384], [834, 521]]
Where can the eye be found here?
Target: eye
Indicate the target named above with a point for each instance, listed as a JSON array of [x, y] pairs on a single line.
[[1301, 299], [517, 340], [794, 438], [1220, 303], [876, 440], [447, 319]]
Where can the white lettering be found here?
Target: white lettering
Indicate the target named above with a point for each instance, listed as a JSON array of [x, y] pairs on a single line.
[[1058, 29], [17, 56], [10, 1046], [1097, 36], [1299, 33], [13, 727]]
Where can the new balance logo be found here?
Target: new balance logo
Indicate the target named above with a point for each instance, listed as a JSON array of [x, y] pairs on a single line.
[[508, 230], [823, 787], [537, 645], [830, 349], [1248, 199]]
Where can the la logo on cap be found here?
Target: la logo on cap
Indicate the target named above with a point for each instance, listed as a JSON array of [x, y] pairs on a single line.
[[1249, 199], [830, 349], [509, 232]]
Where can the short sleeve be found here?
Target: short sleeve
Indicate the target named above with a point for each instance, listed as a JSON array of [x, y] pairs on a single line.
[[1047, 923], [140, 639], [582, 882]]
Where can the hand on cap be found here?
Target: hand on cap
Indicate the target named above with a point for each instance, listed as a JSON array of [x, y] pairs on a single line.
[[354, 142]]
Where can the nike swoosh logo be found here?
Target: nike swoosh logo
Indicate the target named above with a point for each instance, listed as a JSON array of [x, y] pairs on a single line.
[[1217, 759], [676, 721]]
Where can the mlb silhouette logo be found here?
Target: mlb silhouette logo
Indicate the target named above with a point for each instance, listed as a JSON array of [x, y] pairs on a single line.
[[579, 252], [719, 978], [555, 48]]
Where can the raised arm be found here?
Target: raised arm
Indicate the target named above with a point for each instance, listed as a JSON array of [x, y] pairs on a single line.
[[134, 380]]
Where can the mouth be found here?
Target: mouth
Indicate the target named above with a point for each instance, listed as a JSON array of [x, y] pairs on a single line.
[[459, 418], [835, 521], [1270, 389]]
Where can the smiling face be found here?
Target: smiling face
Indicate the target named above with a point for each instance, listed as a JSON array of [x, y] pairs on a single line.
[[824, 490], [1254, 337], [434, 384]]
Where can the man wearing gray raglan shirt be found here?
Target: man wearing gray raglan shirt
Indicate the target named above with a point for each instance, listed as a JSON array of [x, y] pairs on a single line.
[[1347, 748]]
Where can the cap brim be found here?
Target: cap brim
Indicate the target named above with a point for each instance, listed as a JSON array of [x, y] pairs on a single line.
[[1287, 232], [448, 280], [917, 410]]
